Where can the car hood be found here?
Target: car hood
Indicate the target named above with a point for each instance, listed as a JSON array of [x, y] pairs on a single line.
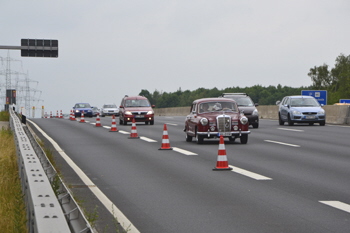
[[110, 109], [138, 109], [306, 109], [247, 109], [213, 115]]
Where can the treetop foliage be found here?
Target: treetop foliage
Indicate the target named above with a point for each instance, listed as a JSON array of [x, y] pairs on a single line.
[[336, 81]]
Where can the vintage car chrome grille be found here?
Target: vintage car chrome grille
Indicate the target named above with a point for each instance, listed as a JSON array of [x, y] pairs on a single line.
[[223, 123]]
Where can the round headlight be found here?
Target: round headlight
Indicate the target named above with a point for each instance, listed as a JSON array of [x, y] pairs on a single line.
[[244, 120], [204, 121]]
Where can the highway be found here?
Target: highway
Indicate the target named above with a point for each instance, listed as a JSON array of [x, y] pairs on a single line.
[[285, 179]]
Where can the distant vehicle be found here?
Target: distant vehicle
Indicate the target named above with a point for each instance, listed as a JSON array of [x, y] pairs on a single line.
[[136, 107], [82, 107], [95, 111], [245, 104], [109, 109], [212, 117], [300, 109]]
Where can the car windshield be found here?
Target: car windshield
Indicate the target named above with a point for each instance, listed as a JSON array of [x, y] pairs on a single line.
[[217, 106], [137, 103], [304, 102], [82, 106], [244, 101], [110, 106]]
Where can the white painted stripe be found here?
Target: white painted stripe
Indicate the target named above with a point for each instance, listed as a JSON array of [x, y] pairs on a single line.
[[123, 132], [107, 127], [295, 130], [171, 124], [98, 193], [182, 151], [147, 139], [249, 174], [282, 143], [337, 204]]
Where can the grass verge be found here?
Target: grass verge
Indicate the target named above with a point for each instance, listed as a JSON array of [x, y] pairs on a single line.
[[12, 210]]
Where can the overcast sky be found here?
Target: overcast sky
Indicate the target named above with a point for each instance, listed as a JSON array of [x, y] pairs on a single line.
[[111, 48]]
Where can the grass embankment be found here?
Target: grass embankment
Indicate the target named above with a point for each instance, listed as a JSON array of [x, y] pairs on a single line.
[[12, 207]]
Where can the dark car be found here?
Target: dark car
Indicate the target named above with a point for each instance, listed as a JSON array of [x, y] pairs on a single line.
[[213, 117], [82, 107], [136, 107], [245, 104], [300, 109]]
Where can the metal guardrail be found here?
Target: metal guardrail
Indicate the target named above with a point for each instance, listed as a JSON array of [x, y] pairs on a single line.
[[46, 212]]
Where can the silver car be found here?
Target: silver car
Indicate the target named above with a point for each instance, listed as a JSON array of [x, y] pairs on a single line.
[[300, 109], [109, 110]]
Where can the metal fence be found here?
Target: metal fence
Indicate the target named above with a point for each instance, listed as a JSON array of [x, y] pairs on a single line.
[[50, 205]]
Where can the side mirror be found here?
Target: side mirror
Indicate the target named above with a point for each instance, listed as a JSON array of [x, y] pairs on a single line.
[[153, 106], [256, 104], [278, 102], [121, 106]]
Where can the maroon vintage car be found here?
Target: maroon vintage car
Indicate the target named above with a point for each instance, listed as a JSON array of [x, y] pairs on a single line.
[[212, 117]]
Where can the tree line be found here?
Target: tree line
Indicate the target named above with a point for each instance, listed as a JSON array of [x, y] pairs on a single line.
[[336, 81]]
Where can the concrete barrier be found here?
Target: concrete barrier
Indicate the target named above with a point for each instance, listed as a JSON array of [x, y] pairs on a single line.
[[335, 114]]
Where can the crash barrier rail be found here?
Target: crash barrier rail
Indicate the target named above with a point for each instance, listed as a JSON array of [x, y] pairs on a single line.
[[335, 114], [50, 205]]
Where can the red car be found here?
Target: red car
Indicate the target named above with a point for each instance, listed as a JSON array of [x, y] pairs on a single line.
[[136, 107], [212, 117]]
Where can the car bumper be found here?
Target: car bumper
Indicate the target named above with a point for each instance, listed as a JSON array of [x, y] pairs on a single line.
[[211, 134], [86, 114], [110, 113], [309, 119], [143, 118]]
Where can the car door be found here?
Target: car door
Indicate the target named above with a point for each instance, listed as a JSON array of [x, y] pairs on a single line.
[[284, 108], [191, 119]]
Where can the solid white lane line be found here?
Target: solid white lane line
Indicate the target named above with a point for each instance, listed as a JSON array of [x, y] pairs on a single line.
[[147, 139], [182, 151], [282, 143], [123, 132], [107, 127], [171, 124], [295, 130], [248, 173], [338, 204], [98, 193]]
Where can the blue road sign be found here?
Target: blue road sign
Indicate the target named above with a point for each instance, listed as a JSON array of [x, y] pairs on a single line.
[[320, 95], [344, 101]]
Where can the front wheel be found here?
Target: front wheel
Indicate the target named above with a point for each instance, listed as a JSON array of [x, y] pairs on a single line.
[[151, 122], [199, 138], [290, 122], [188, 138], [244, 138], [280, 120]]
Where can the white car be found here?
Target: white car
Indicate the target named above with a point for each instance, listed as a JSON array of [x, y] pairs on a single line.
[[109, 110]]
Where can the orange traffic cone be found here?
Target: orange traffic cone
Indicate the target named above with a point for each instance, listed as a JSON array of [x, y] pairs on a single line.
[[57, 116], [98, 122], [165, 140], [133, 134], [61, 115], [114, 125], [73, 116], [82, 119], [222, 163]]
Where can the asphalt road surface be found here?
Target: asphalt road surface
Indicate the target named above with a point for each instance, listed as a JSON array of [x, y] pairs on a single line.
[[285, 179]]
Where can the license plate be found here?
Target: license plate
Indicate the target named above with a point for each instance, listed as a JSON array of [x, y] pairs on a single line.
[[225, 134], [310, 117], [139, 116]]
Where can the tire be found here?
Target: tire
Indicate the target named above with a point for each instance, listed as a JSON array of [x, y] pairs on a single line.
[[199, 138], [188, 138], [146, 122], [151, 122], [322, 123], [280, 120], [255, 125], [290, 122], [244, 138], [231, 139]]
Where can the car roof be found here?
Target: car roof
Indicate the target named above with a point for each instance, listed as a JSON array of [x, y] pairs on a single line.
[[301, 96], [135, 97], [213, 99]]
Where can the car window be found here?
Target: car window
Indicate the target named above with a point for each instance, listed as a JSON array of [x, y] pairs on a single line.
[[216, 106], [244, 101], [82, 106], [304, 102], [137, 103]]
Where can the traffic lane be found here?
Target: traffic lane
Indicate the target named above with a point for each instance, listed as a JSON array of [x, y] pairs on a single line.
[[157, 166]]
